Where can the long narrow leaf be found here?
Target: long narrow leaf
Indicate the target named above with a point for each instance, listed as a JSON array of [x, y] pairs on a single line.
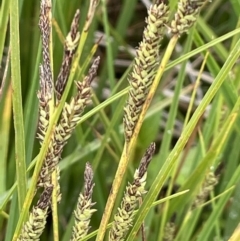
[[17, 103]]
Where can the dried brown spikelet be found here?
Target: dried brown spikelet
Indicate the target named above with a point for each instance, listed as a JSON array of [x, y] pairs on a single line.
[[45, 28], [35, 225], [185, 16], [91, 11], [70, 47], [124, 218], [45, 93], [71, 114], [84, 209], [144, 68]]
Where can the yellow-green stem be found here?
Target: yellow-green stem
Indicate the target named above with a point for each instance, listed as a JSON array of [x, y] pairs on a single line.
[[54, 205], [190, 107], [129, 147]]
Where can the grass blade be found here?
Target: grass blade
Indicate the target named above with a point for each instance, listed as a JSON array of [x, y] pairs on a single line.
[[17, 103]]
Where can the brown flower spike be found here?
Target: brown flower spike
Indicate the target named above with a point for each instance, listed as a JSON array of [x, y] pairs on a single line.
[[84, 209], [70, 116], [70, 47], [124, 218], [45, 94], [185, 16], [35, 225]]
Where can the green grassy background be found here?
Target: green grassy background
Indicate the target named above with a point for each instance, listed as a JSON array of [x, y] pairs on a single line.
[[99, 138]]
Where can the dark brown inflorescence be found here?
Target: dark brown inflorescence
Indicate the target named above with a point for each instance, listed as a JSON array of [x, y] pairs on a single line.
[[70, 47], [45, 28], [71, 114], [45, 94], [35, 225]]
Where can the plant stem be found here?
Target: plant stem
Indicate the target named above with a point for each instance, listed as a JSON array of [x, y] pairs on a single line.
[[129, 147]]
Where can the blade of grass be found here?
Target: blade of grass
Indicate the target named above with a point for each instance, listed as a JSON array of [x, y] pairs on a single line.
[[126, 14], [196, 85], [17, 103], [4, 16], [5, 134], [209, 35], [202, 48], [110, 61], [228, 88], [13, 216], [31, 110]]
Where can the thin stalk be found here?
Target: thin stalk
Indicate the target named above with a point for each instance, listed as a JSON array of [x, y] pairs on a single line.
[[129, 146], [195, 91], [54, 205]]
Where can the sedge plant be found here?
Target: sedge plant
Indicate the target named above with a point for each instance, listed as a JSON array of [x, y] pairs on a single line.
[[69, 150]]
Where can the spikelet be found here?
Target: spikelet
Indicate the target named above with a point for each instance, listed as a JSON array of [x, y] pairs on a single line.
[[91, 11], [170, 229], [70, 47], [185, 16], [209, 183], [71, 114], [124, 218], [35, 225], [44, 96], [84, 209], [144, 68], [45, 28]]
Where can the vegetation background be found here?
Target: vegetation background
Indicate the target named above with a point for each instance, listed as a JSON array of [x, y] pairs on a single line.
[[208, 54]]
